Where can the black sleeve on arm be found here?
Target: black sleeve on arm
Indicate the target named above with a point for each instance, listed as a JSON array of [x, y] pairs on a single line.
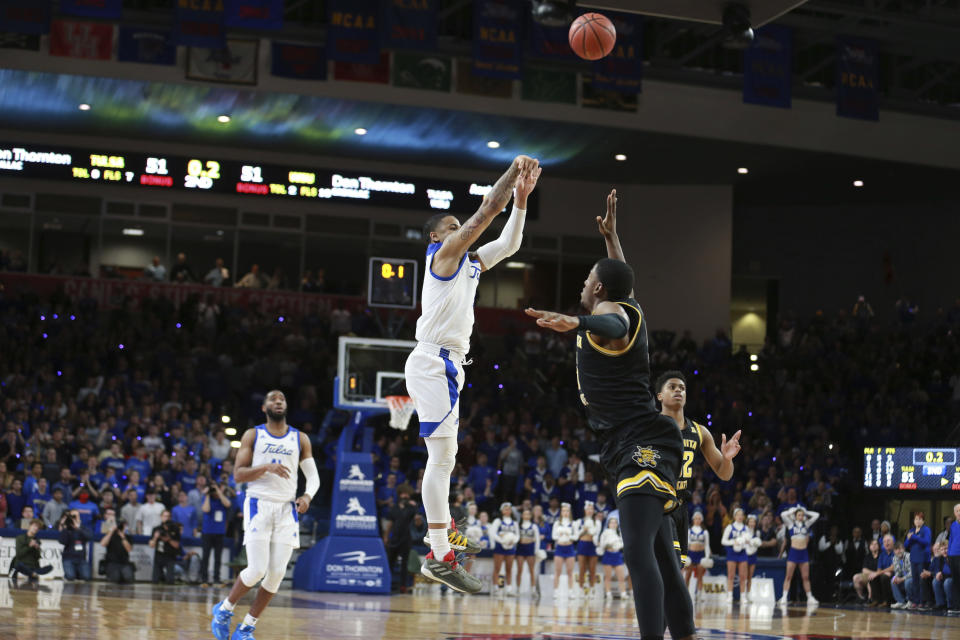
[[608, 325]]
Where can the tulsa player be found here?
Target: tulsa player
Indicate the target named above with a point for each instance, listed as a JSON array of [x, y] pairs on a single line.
[[434, 370], [267, 461]]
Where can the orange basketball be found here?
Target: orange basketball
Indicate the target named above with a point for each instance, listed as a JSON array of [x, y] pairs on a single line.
[[592, 36]]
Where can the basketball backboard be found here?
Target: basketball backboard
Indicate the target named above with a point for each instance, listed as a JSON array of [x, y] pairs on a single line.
[[368, 370], [711, 11]]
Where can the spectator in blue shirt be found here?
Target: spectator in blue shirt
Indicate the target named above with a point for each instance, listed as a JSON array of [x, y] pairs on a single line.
[[88, 510], [16, 501], [387, 495], [953, 556], [216, 502], [480, 473], [917, 543], [114, 459], [188, 477], [41, 496], [134, 483], [139, 462], [185, 514], [65, 482], [30, 482], [400, 476], [556, 456]]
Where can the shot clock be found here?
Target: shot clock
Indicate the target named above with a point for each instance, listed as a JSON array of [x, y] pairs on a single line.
[[392, 283], [911, 468]]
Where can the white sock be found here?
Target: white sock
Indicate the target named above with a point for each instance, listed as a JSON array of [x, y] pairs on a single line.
[[439, 543], [250, 621], [226, 605]]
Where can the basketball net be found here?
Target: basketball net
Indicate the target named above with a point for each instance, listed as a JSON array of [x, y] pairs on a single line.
[[401, 409]]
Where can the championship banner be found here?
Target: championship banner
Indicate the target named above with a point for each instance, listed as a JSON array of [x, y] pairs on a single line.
[[857, 79], [411, 25], [103, 9], [768, 67], [25, 16], [147, 46], [200, 27], [298, 61], [550, 42], [354, 507], [235, 63], [497, 37], [353, 30], [623, 68], [89, 40], [266, 15], [415, 71], [378, 73]]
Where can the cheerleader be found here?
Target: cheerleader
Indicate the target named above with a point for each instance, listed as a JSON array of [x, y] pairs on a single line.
[[587, 531], [753, 544], [698, 548], [564, 550], [504, 533], [735, 539], [611, 546], [528, 548], [798, 522]]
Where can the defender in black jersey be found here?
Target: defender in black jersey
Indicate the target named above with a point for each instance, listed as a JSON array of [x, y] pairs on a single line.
[[640, 449]]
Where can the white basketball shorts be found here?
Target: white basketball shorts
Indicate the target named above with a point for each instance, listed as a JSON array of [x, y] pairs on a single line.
[[271, 521], [434, 378]]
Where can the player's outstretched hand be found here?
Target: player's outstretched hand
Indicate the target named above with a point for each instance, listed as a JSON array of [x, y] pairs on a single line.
[[730, 448], [279, 469], [552, 320], [526, 164], [608, 224], [527, 182], [303, 503]]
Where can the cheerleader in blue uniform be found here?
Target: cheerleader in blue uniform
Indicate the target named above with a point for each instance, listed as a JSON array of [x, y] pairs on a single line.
[[799, 523], [735, 541], [698, 549], [611, 546], [588, 534], [527, 548], [753, 545], [564, 550], [505, 533]]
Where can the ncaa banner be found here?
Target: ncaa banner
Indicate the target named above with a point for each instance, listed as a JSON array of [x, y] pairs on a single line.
[[354, 507], [103, 9], [353, 31], [622, 70], [25, 16], [497, 34], [89, 40], [147, 46], [341, 563], [298, 61], [411, 24], [550, 42], [255, 14], [768, 67], [200, 23], [857, 78], [235, 63]]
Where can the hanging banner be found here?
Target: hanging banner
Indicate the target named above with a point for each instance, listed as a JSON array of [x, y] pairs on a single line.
[[768, 67], [266, 15], [298, 61], [415, 71], [411, 24], [147, 46], [25, 16], [497, 33], [89, 40], [623, 68], [550, 42], [857, 79], [103, 9], [353, 29], [235, 63], [202, 27], [378, 73]]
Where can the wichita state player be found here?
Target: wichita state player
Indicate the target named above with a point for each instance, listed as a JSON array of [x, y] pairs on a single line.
[[640, 449], [671, 391]]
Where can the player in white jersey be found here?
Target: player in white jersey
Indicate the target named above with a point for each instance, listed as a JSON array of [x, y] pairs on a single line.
[[434, 370], [267, 461]]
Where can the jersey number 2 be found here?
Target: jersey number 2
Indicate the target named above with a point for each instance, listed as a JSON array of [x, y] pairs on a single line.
[[687, 470]]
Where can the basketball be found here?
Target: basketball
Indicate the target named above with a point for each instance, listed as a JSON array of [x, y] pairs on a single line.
[[592, 36]]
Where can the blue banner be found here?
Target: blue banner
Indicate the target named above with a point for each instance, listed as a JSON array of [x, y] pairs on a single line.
[[353, 31], [25, 16], [622, 70], [103, 9], [147, 46], [768, 67], [410, 24], [298, 61], [497, 37], [339, 563], [857, 79], [354, 506], [255, 14], [200, 27], [550, 42]]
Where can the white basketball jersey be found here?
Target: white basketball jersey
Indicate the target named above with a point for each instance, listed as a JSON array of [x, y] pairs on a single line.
[[268, 449], [447, 316]]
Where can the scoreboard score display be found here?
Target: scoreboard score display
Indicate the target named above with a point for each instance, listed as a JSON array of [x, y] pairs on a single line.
[[392, 283], [911, 468]]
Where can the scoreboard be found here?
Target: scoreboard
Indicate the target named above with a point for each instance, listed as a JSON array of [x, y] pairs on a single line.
[[251, 178], [911, 468]]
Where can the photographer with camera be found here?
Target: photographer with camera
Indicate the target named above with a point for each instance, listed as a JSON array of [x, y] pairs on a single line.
[[117, 559], [216, 502], [166, 541], [27, 558], [74, 538]]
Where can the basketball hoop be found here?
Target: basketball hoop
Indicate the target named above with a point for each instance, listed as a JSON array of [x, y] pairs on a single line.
[[401, 409]]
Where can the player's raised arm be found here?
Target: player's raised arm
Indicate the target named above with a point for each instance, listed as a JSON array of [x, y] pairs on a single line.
[[608, 228], [512, 235], [720, 460]]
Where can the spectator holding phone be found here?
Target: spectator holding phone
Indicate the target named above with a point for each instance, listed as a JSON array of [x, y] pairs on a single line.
[[74, 538], [27, 558]]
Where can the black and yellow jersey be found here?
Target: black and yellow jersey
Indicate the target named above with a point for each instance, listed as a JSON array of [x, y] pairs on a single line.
[[615, 385], [692, 434]]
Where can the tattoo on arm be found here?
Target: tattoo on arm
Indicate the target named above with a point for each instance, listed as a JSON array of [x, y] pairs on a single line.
[[493, 203]]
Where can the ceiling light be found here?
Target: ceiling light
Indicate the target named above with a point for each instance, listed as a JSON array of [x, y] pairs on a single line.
[[753, 357], [84, 107], [754, 367], [223, 119], [132, 232], [230, 431], [360, 131], [743, 171], [516, 265], [235, 444], [225, 419], [858, 183], [493, 144], [620, 157]]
